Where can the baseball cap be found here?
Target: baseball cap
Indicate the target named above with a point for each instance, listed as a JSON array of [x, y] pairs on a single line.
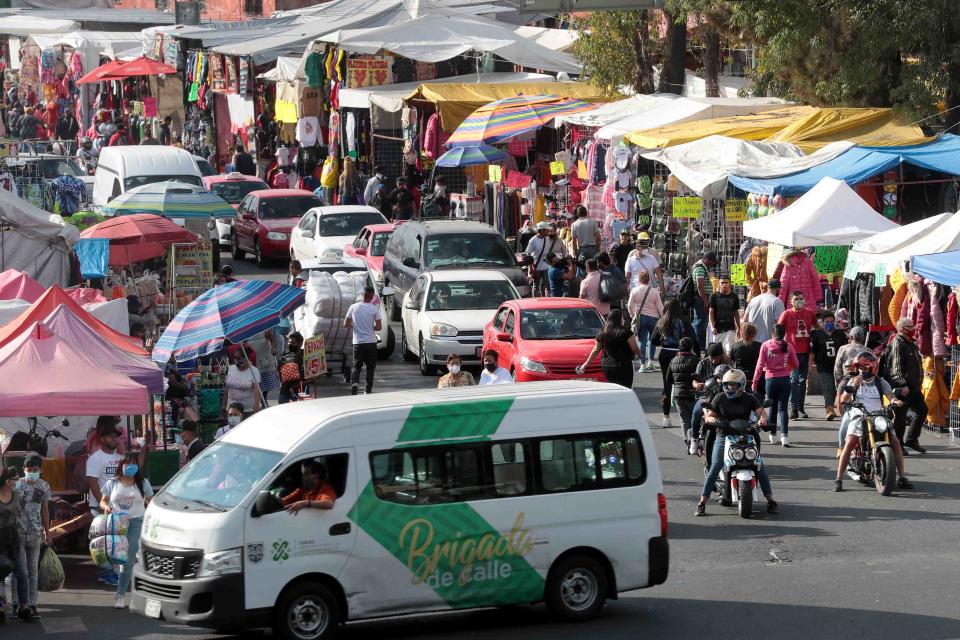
[[643, 237], [624, 232], [543, 225]]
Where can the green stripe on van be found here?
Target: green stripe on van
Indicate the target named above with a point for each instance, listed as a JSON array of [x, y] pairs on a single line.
[[472, 419]]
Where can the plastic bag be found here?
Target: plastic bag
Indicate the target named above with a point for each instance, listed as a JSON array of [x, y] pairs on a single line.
[[106, 525], [51, 576], [108, 550]]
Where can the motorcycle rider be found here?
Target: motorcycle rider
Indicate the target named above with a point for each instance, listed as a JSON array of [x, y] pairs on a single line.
[[869, 390], [710, 368], [732, 403], [86, 154]]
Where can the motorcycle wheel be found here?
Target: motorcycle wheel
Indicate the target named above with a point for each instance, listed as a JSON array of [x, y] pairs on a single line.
[[745, 499], [885, 471]]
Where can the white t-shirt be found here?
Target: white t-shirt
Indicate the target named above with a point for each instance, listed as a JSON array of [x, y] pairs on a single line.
[[240, 385], [500, 376], [364, 316], [222, 431], [307, 130], [621, 201], [102, 466], [635, 265], [124, 499]]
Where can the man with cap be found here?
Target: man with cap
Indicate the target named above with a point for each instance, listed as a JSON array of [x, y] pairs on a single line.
[[764, 310], [101, 467], [701, 272], [849, 351], [621, 250], [538, 248], [641, 260]]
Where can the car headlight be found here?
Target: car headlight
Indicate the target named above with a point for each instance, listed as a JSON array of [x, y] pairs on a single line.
[[532, 365], [439, 329], [736, 454], [880, 424], [751, 454], [276, 235], [221, 563]]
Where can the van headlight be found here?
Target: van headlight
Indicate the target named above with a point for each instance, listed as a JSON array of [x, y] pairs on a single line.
[[441, 330], [276, 235], [880, 424], [532, 365], [221, 563]]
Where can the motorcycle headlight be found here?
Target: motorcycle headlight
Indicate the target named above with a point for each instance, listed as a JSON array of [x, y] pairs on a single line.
[[276, 235], [439, 329], [751, 454], [880, 424], [221, 563], [532, 365], [736, 454]]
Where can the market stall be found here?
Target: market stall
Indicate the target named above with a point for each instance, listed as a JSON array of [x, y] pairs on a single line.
[[18, 285], [34, 241]]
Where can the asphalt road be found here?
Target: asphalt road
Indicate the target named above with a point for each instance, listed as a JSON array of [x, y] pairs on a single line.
[[849, 565]]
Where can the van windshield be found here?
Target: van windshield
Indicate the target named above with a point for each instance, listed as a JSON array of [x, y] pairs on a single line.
[[477, 249], [220, 477], [138, 181]]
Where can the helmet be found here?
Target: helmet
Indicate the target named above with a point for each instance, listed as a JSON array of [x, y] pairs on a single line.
[[866, 361], [734, 382], [721, 370]]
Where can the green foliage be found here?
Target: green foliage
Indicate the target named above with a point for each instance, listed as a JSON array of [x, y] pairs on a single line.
[[616, 49]]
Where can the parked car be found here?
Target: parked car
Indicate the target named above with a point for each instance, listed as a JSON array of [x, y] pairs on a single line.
[[206, 169], [445, 312], [325, 230], [418, 246], [264, 221], [120, 169], [232, 187], [545, 338], [370, 245]]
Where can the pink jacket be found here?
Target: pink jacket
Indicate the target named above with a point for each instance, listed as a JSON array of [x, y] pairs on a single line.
[[774, 361], [799, 274]]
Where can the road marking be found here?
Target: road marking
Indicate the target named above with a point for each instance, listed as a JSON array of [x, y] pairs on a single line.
[[62, 625]]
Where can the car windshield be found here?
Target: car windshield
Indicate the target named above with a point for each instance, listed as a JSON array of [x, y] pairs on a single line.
[[236, 190], [206, 169], [55, 167], [138, 181], [560, 324], [287, 206], [379, 247], [219, 478], [463, 296], [348, 224], [480, 249]]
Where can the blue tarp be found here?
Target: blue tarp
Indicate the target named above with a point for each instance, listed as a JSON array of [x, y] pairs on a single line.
[[943, 268], [93, 254], [860, 163]]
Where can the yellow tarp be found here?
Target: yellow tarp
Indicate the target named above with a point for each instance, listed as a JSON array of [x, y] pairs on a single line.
[[863, 127], [455, 101], [758, 126]]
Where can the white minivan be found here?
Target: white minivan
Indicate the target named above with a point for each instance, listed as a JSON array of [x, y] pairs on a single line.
[[120, 169], [445, 499]]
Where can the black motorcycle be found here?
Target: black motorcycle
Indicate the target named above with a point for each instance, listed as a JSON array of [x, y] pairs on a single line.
[[873, 461], [36, 439]]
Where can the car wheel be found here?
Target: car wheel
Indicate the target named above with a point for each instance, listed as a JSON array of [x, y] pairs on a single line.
[[426, 369], [387, 351], [407, 354], [308, 611], [258, 256], [235, 251], [576, 589]]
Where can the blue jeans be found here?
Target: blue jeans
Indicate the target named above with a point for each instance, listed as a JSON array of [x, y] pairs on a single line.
[[700, 322], [19, 582], [716, 466], [133, 545], [778, 392], [646, 324], [696, 418], [30, 561], [798, 382]]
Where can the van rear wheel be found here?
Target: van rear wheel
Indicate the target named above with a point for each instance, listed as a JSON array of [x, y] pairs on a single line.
[[308, 611], [576, 589]]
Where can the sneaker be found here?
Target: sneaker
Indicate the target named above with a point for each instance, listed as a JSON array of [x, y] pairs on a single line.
[[772, 437], [903, 483], [803, 414], [368, 391], [110, 579], [693, 447], [354, 389], [724, 502], [915, 445], [36, 614], [772, 506], [837, 486], [831, 415], [905, 451], [701, 509], [26, 615], [666, 422], [119, 603], [794, 415], [784, 441]]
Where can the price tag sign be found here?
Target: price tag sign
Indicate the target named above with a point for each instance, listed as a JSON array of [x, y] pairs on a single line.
[[687, 207], [735, 210], [494, 173], [880, 274], [738, 276], [557, 169], [314, 357], [830, 259], [852, 268]]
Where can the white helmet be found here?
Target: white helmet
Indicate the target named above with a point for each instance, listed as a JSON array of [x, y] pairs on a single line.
[[734, 382]]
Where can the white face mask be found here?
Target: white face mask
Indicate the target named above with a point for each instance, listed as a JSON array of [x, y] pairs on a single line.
[[453, 368], [234, 420]]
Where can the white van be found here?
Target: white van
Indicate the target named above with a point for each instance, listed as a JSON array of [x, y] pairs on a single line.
[[120, 169], [445, 499]]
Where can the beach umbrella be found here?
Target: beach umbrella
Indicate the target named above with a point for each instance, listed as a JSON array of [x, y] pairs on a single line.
[[100, 72], [138, 237], [171, 199], [467, 156], [234, 311], [141, 66], [509, 117]]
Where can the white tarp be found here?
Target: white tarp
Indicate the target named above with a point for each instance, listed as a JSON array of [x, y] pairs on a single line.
[[705, 165], [35, 241], [112, 313], [17, 25], [684, 110], [88, 43], [554, 39], [889, 249], [829, 214], [618, 110], [285, 71]]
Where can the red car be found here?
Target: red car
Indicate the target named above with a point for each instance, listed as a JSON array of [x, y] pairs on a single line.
[[264, 221], [232, 187], [545, 338], [370, 245]]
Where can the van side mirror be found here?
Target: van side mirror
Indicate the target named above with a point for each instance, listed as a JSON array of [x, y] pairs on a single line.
[[387, 291], [266, 504], [248, 216], [360, 251], [307, 233], [503, 336]]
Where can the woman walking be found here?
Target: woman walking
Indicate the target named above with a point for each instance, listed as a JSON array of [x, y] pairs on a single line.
[[266, 349], [128, 492], [645, 307], [349, 183], [777, 360], [672, 327], [619, 346], [10, 545]]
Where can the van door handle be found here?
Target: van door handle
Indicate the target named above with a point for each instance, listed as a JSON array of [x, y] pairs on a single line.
[[340, 529]]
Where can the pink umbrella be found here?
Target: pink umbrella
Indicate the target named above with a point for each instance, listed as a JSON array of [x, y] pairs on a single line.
[[18, 285]]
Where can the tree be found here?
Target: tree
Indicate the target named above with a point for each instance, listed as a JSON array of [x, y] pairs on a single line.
[[616, 49], [714, 18], [673, 74]]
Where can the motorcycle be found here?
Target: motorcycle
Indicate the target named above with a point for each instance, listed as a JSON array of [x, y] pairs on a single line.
[[873, 461], [737, 482], [34, 441]]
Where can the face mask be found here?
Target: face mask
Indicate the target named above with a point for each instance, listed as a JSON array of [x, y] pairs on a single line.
[[908, 333], [234, 420], [130, 470], [177, 439], [828, 326], [490, 366], [453, 368], [798, 303], [32, 476], [294, 347]]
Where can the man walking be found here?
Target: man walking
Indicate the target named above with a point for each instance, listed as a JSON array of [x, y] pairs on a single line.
[[764, 310], [799, 321], [824, 343], [539, 247], [585, 234], [905, 374], [364, 319], [590, 288], [724, 308], [642, 260], [700, 272]]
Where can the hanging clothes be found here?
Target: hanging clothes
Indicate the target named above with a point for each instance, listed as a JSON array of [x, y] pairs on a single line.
[[952, 317], [755, 270], [935, 393], [938, 324]]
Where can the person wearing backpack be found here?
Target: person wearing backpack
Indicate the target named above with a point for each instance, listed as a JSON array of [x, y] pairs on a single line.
[[697, 290], [645, 307], [590, 288], [680, 376], [672, 327]]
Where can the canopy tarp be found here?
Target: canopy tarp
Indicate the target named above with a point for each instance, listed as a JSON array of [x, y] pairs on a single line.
[[88, 43], [456, 101], [35, 241], [754, 126], [16, 285], [860, 163], [43, 375], [943, 268], [112, 313], [862, 127], [885, 251], [829, 214], [26, 25], [285, 71], [706, 165]]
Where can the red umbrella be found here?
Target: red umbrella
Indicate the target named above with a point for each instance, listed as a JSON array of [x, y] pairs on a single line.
[[137, 237], [141, 66], [98, 74]]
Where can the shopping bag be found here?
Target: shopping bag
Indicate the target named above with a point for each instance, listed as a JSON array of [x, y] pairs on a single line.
[[106, 551], [51, 575], [113, 524]]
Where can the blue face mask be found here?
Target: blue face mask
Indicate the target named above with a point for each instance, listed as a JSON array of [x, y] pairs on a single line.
[[828, 326], [130, 470]]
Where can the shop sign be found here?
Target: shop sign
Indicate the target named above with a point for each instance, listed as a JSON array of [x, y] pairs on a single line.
[[191, 266], [244, 74], [830, 259], [735, 210], [314, 357], [738, 276], [426, 71], [687, 207], [367, 72], [557, 168]]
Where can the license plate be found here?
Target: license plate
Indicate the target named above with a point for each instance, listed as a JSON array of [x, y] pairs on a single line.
[[152, 610], [479, 352]]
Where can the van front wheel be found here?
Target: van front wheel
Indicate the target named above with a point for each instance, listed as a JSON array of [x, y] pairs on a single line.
[[308, 611], [576, 589]]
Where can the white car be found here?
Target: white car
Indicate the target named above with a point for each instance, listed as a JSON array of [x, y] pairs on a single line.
[[323, 231], [445, 312]]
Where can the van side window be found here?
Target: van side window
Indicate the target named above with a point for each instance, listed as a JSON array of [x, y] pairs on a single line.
[[509, 468], [590, 462], [429, 475], [116, 189], [292, 479]]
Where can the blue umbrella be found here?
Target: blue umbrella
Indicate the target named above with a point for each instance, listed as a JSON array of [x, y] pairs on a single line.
[[235, 311], [466, 156]]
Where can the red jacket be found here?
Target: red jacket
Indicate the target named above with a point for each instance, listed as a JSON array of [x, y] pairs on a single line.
[[799, 274], [799, 326]]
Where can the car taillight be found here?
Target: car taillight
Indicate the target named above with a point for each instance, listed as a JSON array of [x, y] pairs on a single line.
[[662, 509]]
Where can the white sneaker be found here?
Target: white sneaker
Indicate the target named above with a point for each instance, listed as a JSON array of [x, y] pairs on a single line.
[[772, 437], [119, 603], [666, 422], [647, 367], [784, 441], [693, 446]]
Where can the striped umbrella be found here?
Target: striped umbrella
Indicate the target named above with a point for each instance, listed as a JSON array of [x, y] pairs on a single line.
[[467, 156], [170, 199], [235, 311], [504, 119]]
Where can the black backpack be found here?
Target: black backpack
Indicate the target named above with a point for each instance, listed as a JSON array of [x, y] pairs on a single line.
[[687, 292], [611, 289]]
